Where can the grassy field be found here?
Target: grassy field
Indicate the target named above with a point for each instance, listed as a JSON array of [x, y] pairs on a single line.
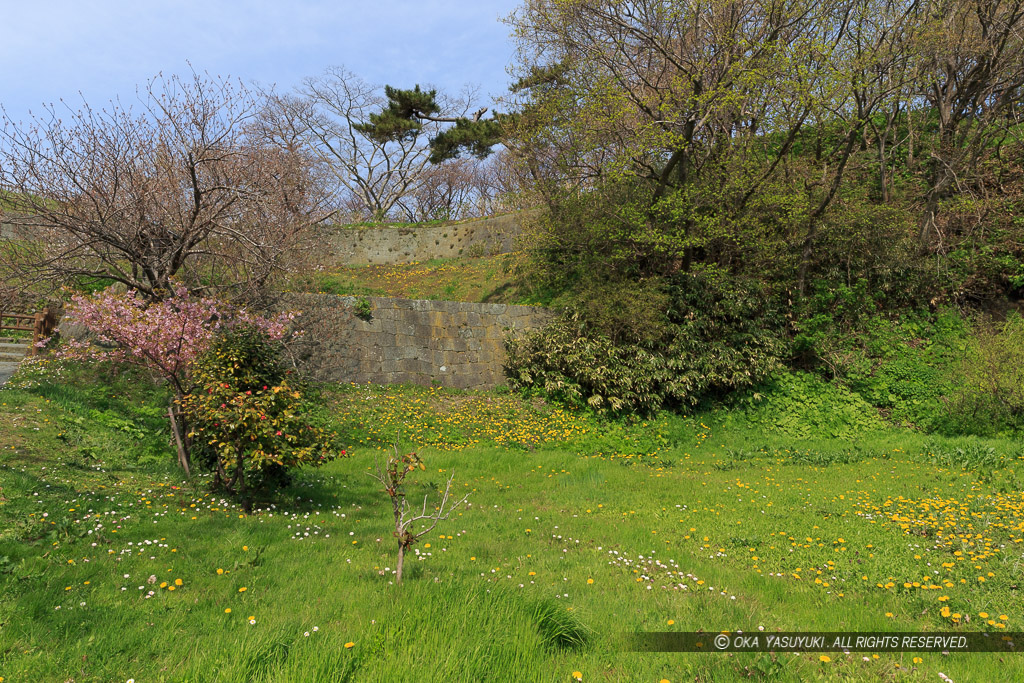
[[484, 279], [114, 567]]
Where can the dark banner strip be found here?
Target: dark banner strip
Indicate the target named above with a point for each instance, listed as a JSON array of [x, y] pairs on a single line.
[[820, 641]]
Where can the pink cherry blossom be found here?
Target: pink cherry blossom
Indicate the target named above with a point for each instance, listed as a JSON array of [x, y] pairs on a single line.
[[164, 336]]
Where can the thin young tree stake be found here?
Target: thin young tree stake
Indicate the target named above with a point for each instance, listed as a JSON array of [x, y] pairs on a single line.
[[392, 476], [183, 458]]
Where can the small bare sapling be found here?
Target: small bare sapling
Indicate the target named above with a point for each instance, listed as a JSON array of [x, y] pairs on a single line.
[[391, 472]]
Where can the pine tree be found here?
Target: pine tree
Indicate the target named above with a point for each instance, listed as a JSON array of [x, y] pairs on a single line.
[[406, 111]]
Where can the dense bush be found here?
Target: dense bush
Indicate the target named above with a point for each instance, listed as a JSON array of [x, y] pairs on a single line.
[[251, 420], [990, 394], [570, 365], [713, 340], [802, 405], [901, 365]]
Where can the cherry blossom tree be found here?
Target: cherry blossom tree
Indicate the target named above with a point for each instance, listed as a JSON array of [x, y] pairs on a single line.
[[188, 186], [163, 337]]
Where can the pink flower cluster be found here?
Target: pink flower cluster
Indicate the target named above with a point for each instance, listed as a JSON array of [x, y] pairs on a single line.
[[165, 336]]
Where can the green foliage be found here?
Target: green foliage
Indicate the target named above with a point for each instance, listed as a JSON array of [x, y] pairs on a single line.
[[363, 308], [250, 421], [801, 405], [403, 118], [476, 137], [902, 364], [985, 261], [990, 395], [572, 367], [711, 340], [625, 312], [243, 357]]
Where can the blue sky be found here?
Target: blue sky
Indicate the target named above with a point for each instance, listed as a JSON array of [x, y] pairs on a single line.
[[54, 49]]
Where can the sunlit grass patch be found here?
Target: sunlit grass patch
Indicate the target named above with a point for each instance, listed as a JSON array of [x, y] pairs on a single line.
[[489, 279], [578, 530]]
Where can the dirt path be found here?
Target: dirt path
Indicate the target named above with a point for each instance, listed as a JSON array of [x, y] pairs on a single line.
[[6, 370]]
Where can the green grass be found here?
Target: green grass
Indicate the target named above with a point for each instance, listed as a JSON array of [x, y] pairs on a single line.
[[749, 520], [485, 279]]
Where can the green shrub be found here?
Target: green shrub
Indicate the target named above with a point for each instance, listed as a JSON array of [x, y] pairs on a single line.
[[363, 309], [802, 405], [714, 340], [902, 367], [570, 366], [990, 379], [251, 421]]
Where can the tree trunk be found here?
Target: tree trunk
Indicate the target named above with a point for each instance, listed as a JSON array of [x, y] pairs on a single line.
[[243, 491], [401, 562], [183, 455], [882, 176], [806, 252]]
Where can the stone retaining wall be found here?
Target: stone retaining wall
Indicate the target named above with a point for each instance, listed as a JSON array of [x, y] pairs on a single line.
[[386, 245], [13, 230], [408, 341]]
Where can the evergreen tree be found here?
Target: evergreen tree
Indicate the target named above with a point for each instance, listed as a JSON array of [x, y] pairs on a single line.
[[406, 111]]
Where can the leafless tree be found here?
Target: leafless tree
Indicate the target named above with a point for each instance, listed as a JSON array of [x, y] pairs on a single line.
[[185, 187], [326, 112], [506, 182], [379, 178], [391, 473], [444, 192]]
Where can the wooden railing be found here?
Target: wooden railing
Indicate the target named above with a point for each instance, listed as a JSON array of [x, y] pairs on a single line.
[[40, 324]]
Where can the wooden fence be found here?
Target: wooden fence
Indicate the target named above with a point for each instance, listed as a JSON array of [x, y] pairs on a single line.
[[40, 324]]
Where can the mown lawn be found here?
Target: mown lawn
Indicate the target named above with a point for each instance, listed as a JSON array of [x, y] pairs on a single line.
[[578, 530]]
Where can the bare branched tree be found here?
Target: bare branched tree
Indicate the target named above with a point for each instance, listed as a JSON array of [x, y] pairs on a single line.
[[391, 473], [326, 114], [445, 192], [379, 175], [186, 187]]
